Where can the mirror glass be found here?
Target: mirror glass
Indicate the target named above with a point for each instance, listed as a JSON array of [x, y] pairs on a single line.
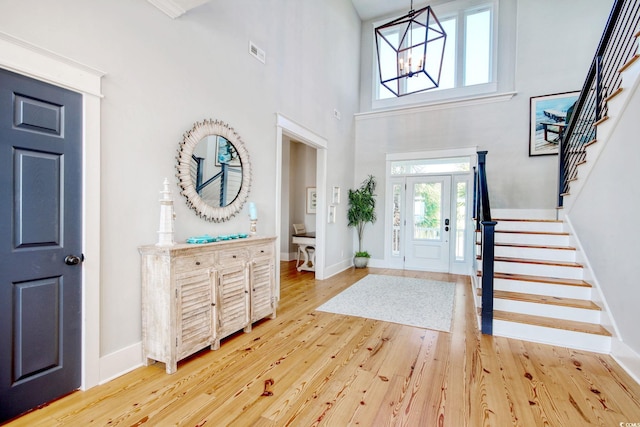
[[213, 170], [216, 170]]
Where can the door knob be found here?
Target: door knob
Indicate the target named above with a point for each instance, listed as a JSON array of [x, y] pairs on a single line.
[[73, 259]]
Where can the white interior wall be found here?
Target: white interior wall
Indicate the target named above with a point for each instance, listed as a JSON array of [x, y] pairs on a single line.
[[548, 53], [604, 216], [285, 215], [162, 76]]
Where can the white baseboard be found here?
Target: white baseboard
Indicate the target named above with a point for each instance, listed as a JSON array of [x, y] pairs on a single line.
[[628, 359], [120, 362], [339, 267]]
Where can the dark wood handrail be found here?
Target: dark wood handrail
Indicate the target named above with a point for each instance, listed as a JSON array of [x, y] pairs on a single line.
[[482, 212], [617, 45]]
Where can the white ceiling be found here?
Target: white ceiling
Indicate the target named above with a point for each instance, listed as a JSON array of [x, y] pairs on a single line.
[[367, 9]]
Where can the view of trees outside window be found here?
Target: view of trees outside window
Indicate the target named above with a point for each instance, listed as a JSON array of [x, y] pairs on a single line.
[[461, 219], [427, 210]]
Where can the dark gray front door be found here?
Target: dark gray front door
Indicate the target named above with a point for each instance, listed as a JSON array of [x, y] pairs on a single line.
[[40, 227]]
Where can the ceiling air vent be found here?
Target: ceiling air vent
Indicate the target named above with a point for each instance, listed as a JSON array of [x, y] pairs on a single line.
[[256, 52]]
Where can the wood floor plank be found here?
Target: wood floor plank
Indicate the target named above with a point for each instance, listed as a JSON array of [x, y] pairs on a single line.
[[336, 370]]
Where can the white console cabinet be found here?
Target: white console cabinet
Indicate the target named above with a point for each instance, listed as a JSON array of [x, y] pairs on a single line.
[[193, 295]]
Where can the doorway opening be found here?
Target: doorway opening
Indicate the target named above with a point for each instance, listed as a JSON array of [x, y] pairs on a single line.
[[306, 145], [429, 209]]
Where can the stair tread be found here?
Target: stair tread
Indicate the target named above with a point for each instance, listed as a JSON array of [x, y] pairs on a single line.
[[536, 261], [545, 299], [614, 94], [527, 220], [540, 279], [548, 322], [627, 64], [553, 233], [532, 246]]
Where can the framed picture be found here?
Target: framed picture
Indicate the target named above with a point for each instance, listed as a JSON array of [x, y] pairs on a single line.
[[548, 120], [331, 215], [311, 200], [335, 195]]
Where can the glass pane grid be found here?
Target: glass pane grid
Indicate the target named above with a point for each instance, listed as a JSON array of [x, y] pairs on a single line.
[[427, 211], [431, 166]]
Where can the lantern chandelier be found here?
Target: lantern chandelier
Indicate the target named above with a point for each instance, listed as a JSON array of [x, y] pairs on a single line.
[[410, 52]]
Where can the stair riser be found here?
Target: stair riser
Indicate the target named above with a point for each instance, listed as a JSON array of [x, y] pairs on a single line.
[[550, 289], [536, 253], [577, 340], [538, 270], [533, 239], [553, 227], [547, 310]]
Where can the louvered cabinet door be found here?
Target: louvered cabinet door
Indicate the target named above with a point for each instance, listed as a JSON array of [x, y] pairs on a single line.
[[232, 299], [195, 311], [262, 284]]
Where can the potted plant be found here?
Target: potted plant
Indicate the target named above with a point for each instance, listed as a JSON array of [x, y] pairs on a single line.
[[362, 209]]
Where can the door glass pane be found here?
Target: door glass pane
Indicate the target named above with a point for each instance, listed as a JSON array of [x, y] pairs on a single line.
[[461, 219], [397, 202], [427, 210]]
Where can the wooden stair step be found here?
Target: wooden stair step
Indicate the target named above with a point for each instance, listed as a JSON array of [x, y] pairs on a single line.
[[548, 322], [614, 94], [552, 233], [536, 261], [532, 246], [544, 299], [601, 121], [627, 64], [540, 279], [527, 220]]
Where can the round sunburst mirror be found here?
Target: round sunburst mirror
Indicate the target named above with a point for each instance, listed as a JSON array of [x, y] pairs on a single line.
[[214, 172]]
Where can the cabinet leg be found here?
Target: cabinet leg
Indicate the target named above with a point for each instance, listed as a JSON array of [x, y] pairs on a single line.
[[247, 328], [215, 345], [172, 368]]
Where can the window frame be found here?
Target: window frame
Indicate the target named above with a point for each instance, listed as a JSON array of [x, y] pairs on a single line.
[[459, 9]]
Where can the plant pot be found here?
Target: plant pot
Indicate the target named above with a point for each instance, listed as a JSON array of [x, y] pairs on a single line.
[[360, 261]]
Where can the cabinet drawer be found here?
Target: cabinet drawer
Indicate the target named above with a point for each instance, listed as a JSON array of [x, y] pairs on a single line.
[[262, 250], [227, 257], [195, 262]]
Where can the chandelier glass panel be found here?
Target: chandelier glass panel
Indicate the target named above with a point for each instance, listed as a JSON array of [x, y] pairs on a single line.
[[410, 52]]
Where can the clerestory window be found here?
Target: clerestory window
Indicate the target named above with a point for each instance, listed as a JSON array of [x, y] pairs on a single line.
[[469, 62]]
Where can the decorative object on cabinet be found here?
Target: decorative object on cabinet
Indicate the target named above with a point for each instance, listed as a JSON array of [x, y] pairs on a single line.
[[167, 216], [253, 219], [213, 170], [195, 295]]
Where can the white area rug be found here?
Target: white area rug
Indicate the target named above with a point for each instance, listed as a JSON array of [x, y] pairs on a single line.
[[415, 302]]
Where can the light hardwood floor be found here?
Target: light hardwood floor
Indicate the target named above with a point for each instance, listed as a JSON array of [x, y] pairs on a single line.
[[308, 368]]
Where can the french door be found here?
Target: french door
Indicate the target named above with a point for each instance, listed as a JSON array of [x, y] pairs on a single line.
[[428, 223]]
